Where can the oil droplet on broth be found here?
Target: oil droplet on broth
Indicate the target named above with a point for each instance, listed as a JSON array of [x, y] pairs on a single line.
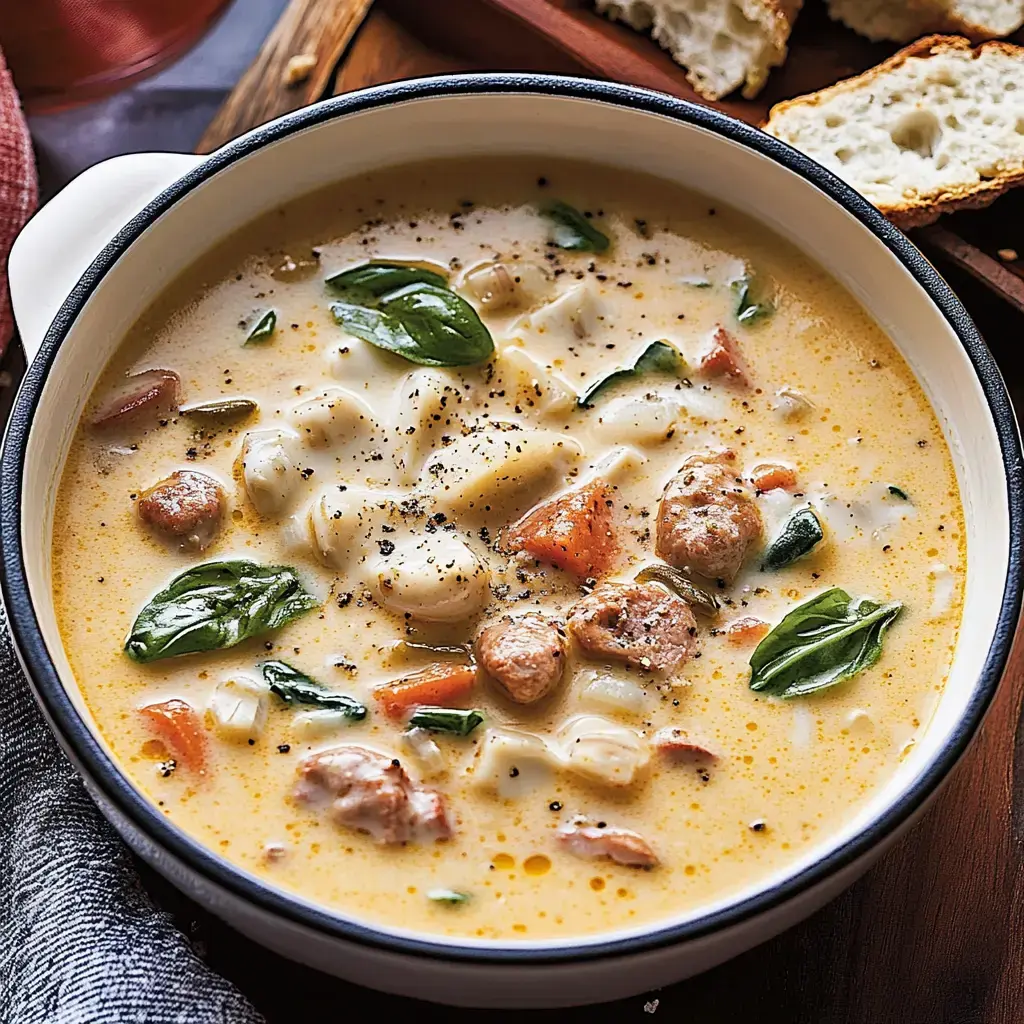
[[538, 864], [504, 861]]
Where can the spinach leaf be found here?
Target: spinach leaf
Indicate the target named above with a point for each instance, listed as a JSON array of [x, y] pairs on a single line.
[[571, 230], [376, 279], [216, 605], [751, 305], [658, 357], [220, 409], [799, 535], [264, 328], [295, 687], [820, 643], [450, 720], [681, 585], [424, 323]]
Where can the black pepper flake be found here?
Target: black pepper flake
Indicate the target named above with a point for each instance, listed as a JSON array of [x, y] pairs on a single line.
[[395, 763], [306, 473], [555, 805], [758, 826], [252, 742], [166, 768], [387, 547], [513, 772], [283, 748], [344, 600]]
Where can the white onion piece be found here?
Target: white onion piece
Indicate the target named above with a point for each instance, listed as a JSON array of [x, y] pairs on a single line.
[[512, 762], [602, 750], [646, 419], [537, 388], [803, 725], [420, 744], [943, 586], [576, 314], [791, 404], [238, 707], [609, 692], [310, 725]]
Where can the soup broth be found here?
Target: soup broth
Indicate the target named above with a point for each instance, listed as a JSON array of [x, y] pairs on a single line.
[[469, 536]]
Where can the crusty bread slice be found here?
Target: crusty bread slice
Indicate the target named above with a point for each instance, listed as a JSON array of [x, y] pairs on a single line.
[[723, 44], [904, 20], [937, 127]]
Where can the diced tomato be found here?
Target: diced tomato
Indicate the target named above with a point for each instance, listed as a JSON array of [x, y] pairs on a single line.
[[746, 630], [770, 475], [723, 359], [574, 532], [441, 684], [178, 725]]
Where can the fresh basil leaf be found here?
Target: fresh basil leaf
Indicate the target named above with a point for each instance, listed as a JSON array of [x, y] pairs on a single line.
[[216, 605], [898, 492], [681, 585], [377, 279], [220, 409], [820, 643], [295, 687], [751, 305], [450, 720], [571, 230], [264, 328], [450, 896], [658, 357], [423, 323], [799, 535]]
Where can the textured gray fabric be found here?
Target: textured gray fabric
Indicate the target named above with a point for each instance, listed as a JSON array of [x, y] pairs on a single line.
[[80, 941]]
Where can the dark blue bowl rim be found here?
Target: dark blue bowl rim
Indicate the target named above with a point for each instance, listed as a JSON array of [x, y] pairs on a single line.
[[143, 816]]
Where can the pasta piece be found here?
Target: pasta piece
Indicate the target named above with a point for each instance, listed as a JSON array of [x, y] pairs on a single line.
[[269, 470], [238, 708], [537, 389], [331, 416], [342, 519], [603, 751]]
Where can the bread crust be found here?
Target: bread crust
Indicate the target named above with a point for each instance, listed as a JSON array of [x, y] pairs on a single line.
[[918, 211]]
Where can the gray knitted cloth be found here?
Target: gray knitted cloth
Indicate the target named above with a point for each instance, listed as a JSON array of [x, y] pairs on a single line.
[[80, 941]]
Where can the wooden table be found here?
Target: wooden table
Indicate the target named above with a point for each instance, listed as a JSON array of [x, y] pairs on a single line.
[[932, 935]]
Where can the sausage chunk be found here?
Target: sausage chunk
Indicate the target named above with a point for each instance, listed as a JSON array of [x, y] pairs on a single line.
[[144, 395], [674, 742], [707, 520], [622, 845], [372, 793], [187, 505], [524, 656], [639, 623]]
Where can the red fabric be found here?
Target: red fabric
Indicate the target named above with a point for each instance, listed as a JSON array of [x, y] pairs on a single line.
[[18, 194]]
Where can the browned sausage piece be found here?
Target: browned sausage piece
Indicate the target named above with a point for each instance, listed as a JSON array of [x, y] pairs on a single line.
[[675, 742], [707, 520], [524, 656], [187, 505], [639, 623], [372, 793], [143, 395], [622, 845]]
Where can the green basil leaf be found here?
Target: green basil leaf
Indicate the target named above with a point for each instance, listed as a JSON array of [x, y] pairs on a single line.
[[898, 492], [751, 305], [217, 605], [423, 323], [658, 357], [571, 230], [295, 687], [799, 535], [820, 643], [451, 720], [681, 585], [264, 329], [220, 409], [450, 896], [377, 279]]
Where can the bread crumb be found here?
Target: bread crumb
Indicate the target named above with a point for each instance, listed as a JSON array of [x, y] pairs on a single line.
[[298, 69]]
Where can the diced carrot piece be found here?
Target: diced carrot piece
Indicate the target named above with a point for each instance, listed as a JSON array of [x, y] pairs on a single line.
[[747, 630], [441, 684], [177, 723], [573, 532], [770, 475], [722, 359]]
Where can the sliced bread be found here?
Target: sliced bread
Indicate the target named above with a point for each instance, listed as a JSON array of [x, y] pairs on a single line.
[[723, 44], [937, 127], [904, 20]]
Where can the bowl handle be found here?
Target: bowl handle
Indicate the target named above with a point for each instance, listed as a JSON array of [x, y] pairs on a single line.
[[65, 236]]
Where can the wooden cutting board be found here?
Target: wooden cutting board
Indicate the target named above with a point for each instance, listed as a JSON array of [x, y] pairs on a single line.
[[935, 933]]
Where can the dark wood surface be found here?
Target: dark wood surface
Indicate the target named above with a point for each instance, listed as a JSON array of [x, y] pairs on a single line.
[[934, 934]]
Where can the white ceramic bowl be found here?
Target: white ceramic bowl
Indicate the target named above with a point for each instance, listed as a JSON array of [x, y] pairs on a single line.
[[148, 216]]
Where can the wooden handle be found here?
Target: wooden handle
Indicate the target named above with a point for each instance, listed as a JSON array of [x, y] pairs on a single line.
[[315, 27]]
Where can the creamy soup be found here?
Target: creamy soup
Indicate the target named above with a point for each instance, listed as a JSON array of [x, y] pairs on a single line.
[[510, 549]]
